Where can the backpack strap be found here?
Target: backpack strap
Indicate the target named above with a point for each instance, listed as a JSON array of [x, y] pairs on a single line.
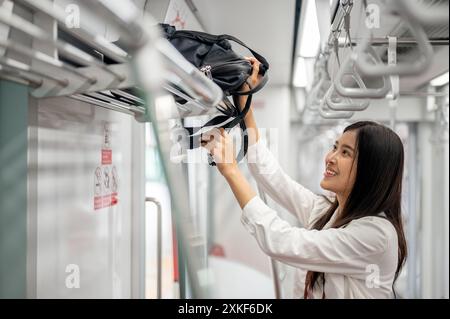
[[265, 65], [233, 112], [262, 69], [218, 120], [258, 87]]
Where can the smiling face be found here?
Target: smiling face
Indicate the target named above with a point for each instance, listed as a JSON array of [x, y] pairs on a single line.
[[340, 166]]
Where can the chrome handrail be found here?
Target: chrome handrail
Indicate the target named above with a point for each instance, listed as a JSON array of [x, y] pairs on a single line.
[[158, 244]]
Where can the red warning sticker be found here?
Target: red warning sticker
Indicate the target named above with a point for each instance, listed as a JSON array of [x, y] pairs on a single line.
[[98, 202], [114, 199], [106, 157], [106, 185], [105, 201], [105, 176]]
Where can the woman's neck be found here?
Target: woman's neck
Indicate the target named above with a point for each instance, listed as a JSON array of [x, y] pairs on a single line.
[[341, 199]]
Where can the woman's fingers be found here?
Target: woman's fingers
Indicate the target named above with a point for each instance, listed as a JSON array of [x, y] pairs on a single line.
[[208, 146], [211, 139], [255, 70], [219, 144], [255, 73], [223, 132], [210, 135], [251, 59]]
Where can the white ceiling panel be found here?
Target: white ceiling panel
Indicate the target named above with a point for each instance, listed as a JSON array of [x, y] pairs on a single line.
[[266, 26]]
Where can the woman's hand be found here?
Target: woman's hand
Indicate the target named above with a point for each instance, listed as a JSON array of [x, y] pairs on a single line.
[[251, 82], [220, 145], [254, 79]]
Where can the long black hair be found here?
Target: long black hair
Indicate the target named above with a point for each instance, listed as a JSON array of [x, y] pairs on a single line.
[[377, 188]]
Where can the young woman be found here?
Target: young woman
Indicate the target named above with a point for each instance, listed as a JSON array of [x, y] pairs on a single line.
[[353, 245]]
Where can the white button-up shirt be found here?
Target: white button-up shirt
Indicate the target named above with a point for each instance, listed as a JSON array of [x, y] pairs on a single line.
[[359, 260]]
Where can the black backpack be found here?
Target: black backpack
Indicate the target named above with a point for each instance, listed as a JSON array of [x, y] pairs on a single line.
[[214, 55]]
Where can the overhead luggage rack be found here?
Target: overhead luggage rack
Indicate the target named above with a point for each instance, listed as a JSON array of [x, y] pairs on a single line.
[[63, 61]]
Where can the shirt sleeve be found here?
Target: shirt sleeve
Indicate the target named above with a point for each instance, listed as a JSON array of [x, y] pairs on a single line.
[[348, 250], [268, 174]]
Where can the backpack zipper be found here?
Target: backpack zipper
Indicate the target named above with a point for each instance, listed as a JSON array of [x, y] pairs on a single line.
[[207, 70]]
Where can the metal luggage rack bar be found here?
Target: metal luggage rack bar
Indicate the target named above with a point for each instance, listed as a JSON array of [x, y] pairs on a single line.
[[54, 67]]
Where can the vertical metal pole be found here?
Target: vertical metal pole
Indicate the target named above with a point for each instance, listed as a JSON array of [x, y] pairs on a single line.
[[211, 211], [412, 212], [395, 84], [158, 243], [273, 263], [138, 213]]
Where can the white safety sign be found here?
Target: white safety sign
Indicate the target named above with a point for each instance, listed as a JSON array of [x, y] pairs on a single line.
[[105, 177]]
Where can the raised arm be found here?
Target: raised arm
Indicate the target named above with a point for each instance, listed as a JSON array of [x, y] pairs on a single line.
[[266, 170], [350, 250]]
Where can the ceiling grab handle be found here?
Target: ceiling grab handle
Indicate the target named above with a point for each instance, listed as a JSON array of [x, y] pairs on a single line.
[[319, 89], [344, 103], [436, 14], [367, 67], [348, 68], [395, 82], [328, 114], [314, 99]]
